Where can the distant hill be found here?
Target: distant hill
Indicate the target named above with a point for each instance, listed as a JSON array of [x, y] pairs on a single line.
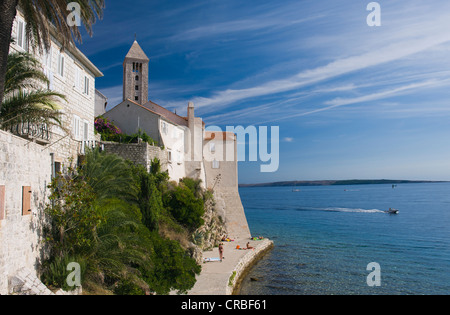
[[338, 182]]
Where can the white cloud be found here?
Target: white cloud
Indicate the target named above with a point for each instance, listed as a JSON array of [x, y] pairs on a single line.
[[333, 69]]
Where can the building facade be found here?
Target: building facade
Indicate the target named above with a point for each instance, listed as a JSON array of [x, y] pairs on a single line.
[[31, 155]]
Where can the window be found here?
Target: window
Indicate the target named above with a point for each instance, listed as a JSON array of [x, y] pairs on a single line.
[[169, 156], [212, 147], [61, 64], [137, 78], [26, 200], [56, 169], [78, 81], [76, 128], [136, 87], [174, 133], [2, 202], [165, 128], [47, 58], [136, 98], [86, 85], [215, 164], [21, 34]]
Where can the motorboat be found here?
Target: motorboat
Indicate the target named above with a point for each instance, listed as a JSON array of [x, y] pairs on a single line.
[[392, 211]]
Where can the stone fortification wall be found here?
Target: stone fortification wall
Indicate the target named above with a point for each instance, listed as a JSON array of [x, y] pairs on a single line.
[[230, 208], [138, 153]]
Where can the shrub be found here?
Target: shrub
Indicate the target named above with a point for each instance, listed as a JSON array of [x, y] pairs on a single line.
[[110, 132], [72, 215], [55, 271], [185, 207], [173, 268]]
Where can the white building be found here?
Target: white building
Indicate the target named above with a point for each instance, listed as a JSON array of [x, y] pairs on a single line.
[[30, 156], [191, 151], [71, 73], [181, 137]]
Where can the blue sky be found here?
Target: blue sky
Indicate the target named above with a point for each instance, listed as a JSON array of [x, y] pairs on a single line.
[[351, 101]]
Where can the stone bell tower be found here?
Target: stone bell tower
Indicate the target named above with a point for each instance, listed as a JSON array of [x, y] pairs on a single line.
[[135, 75]]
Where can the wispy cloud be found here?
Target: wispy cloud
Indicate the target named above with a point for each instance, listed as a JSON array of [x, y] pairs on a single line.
[[385, 94], [336, 68], [238, 26]]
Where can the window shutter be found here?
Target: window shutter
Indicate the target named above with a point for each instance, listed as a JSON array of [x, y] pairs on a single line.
[[86, 85], [77, 127], [26, 200], [86, 130], [2, 202], [61, 64], [77, 78]]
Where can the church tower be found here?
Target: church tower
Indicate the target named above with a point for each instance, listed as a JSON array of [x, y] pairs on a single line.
[[135, 75]]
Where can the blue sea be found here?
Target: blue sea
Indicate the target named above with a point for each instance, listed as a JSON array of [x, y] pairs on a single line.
[[326, 236]]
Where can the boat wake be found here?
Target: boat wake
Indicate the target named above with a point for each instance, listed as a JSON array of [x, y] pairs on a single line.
[[354, 210], [337, 209]]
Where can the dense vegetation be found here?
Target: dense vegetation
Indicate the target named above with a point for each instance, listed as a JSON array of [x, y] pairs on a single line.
[[124, 226]]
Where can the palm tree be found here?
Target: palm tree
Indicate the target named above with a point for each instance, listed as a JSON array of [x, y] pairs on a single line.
[[43, 17], [109, 175], [27, 97]]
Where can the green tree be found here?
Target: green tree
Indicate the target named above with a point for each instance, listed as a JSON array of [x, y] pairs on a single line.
[[173, 269], [185, 207], [150, 201], [74, 219], [123, 248], [40, 17], [27, 98], [195, 185]]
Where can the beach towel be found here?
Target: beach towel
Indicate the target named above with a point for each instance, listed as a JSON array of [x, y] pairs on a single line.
[[211, 259]]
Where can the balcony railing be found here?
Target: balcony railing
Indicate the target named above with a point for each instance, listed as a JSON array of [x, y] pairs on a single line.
[[89, 144], [36, 131]]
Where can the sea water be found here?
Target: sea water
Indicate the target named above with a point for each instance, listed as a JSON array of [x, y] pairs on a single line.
[[326, 236]]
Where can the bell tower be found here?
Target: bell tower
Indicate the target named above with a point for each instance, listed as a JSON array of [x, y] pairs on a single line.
[[135, 75]]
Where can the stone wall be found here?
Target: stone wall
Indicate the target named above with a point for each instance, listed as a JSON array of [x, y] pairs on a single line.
[[245, 264], [138, 153], [230, 208], [22, 164]]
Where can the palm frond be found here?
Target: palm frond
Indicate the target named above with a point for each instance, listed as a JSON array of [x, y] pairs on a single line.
[[25, 98], [35, 107], [43, 15], [23, 72], [109, 175]]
